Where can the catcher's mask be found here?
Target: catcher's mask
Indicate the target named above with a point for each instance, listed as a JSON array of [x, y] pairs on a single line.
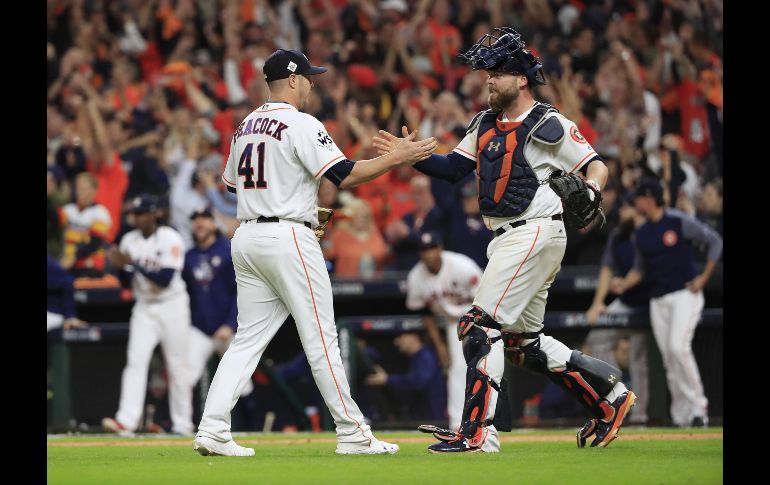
[[503, 50]]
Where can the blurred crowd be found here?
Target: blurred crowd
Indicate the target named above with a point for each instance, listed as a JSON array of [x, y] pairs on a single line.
[[144, 95]]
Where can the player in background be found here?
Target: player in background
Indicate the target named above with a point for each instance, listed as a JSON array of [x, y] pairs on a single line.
[[210, 280], [86, 229], [152, 257], [443, 284], [516, 147], [617, 260], [60, 306], [665, 259], [277, 157]]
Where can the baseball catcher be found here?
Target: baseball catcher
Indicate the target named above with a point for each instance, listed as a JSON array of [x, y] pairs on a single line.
[[521, 150]]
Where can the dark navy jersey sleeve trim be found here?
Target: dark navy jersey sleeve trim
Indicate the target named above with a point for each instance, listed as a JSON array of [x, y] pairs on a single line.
[[339, 171], [584, 168]]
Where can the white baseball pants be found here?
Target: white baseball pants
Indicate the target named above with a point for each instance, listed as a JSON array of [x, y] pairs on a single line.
[[455, 378], [167, 323], [513, 290], [279, 271], [55, 320], [674, 317]]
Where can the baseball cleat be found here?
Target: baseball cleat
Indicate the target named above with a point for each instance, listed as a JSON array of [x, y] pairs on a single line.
[[111, 425], [606, 431], [441, 434], [698, 422], [155, 428], [459, 445], [209, 447], [587, 430], [376, 447]]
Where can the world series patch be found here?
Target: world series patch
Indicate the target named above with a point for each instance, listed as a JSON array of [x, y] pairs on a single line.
[[324, 140]]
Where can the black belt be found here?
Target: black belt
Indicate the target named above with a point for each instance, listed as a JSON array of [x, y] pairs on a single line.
[[274, 219], [513, 225]]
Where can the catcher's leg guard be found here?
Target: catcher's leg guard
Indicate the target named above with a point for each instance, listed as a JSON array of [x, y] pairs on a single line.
[[478, 393], [590, 380], [587, 379], [480, 388]]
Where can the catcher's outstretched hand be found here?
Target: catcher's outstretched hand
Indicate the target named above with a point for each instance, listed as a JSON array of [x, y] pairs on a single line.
[[582, 200], [386, 142]]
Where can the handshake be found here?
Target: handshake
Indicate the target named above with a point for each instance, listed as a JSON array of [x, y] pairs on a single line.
[[408, 150]]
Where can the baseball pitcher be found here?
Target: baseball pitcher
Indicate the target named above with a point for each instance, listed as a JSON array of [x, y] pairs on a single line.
[[277, 156]]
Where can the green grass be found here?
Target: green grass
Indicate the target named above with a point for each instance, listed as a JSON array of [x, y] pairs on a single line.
[[627, 460]]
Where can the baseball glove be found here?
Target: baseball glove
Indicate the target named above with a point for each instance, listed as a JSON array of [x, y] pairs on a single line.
[[324, 216], [582, 201]]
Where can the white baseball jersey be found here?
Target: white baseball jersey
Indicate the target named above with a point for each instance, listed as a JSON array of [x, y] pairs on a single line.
[[449, 293], [159, 316], [163, 249], [569, 156], [276, 159], [269, 148]]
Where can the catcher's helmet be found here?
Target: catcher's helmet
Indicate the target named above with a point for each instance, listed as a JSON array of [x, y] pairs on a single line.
[[503, 50]]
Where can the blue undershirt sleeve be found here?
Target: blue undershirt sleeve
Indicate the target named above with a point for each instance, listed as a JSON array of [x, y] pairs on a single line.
[[452, 167]]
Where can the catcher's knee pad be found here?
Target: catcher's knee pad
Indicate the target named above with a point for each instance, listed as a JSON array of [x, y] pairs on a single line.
[[476, 345], [478, 389], [588, 380], [529, 356], [472, 318]]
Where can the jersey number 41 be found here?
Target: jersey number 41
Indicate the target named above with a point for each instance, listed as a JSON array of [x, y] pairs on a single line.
[[246, 170]]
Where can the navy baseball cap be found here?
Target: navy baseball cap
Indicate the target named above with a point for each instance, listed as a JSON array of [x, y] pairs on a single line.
[[143, 203], [206, 212], [283, 63], [649, 187], [430, 240]]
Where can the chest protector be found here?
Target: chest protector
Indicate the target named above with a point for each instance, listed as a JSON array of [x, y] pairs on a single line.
[[507, 183]]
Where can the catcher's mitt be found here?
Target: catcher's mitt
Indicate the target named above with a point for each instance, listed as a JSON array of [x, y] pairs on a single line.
[[582, 201], [324, 216]]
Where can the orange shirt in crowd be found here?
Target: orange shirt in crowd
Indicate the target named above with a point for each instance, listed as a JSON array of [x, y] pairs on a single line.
[[223, 124], [448, 40], [113, 182], [389, 196], [347, 251]]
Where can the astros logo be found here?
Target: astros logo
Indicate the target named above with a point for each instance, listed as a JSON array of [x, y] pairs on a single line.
[[575, 134], [669, 238]]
